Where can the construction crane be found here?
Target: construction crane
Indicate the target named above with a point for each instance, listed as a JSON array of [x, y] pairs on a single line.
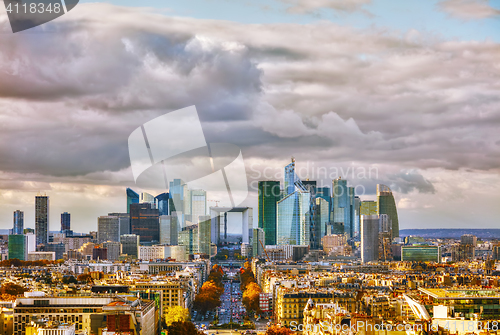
[[263, 248]]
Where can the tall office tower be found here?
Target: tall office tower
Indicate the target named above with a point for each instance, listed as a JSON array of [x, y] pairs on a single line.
[[258, 242], [343, 206], [177, 190], [269, 195], [168, 229], [369, 238], [42, 219], [130, 245], [65, 222], [162, 201], [18, 227], [357, 218], [368, 207], [188, 237], [384, 238], [145, 222], [468, 239], [204, 238], [198, 204], [124, 221], [387, 205], [324, 193], [17, 247], [148, 198], [113, 250], [108, 229], [321, 218], [132, 198], [290, 177], [293, 219], [30, 240]]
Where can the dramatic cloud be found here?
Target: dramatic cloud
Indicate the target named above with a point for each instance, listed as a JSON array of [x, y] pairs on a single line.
[[469, 9], [73, 90]]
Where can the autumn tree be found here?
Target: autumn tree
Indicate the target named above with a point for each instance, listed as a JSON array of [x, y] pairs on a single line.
[[176, 314], [251, 297], [84, 277], [276, 330], [183, 328]]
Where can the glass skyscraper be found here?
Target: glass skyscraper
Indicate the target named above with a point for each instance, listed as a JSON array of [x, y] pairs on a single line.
[[343, 206], [269, 195], [18, 227], [145, 222], [42, 219], [65, 222], [132, 198], [293, 219], [162, 201], [387, 205]]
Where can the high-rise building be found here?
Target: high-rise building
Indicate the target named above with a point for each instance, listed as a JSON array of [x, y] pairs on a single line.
[[130, 245], [42, 219], [469, 239], [269, 195], [18, 227], [188, 237], [113, 250], [177, 190], [357, 217], [145, 222], [124, 222], [368, 207], [108, 229], [148, 198], [384, 238], [321, 218], [369, 238], [290, 177], [198, 204], [132, 198], [421, 253], [258, 241], [162, 201], [65, 222], [204, 238], [343, 206], [168, 230], [293, 219], [387, 205], [17, 248]]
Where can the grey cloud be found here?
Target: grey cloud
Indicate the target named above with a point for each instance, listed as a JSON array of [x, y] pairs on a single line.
[[407, 181]]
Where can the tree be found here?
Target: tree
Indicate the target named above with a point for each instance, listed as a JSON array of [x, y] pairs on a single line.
[[183, 328], [176, 314], [276, 330], [251, 297], [12, 289], [69, 280], [84, 277]]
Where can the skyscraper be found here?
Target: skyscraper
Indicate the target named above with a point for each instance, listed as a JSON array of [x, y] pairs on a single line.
[[169, 229], [132, 198], [198, 204], [145, 222], [258, 237], [343, 206], [130, 245], [18, 227], [42, 219], [290, 177], [65, 222], [124, 221], [269, 194], [369, 238], [357, 218], [204, 238], [108, 229], [17, 248], [293, 219], [321, 219], [387, 205], [148, 198], [162, 201], [368, 207]]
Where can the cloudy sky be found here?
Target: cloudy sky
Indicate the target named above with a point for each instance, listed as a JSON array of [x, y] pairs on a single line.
[[403, 93]]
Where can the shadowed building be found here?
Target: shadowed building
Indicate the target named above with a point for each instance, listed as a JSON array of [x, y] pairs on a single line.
[[387, 205], [42, 219], [269, 195], [145, 222]]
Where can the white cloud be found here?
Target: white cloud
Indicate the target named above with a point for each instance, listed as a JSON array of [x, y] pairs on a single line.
[[469, 9]]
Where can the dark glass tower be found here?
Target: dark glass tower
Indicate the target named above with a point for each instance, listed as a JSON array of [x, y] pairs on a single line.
[[18, 223], [42, 219], [65, 222], [343, 206], [269, 194], [145, 222], [132, 198], [163, 203], [387, 205]]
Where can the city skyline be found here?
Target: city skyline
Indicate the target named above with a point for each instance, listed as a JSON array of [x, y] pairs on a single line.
[[414, 100]]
